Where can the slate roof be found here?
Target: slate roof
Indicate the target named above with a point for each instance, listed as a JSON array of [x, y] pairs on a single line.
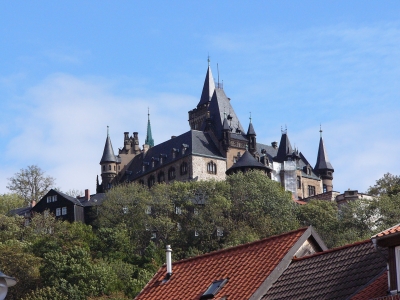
[[108, 152], [208, 88], [95, 199], [284, 149], [247, 267], [247, 161], [69, 198], [322, 157], [219, 106], [197, 142], [22, 211], [250, 130], [269, 150], [338, 273]]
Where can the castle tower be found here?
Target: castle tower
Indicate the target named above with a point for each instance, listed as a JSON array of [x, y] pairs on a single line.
[[323, 166], [149, 138], [108, 164], [198, 115], [251, 136]]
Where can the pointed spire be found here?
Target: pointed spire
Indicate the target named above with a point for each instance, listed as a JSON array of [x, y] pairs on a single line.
[[250, 130], [208, 87], [108, 153], [323, 162], [285, 148], [149, 139]]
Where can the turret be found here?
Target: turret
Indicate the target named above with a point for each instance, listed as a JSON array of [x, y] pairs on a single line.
[[285, 150], [323, 167], [251, 136], [226, 134], [149, 138], [108, 164]]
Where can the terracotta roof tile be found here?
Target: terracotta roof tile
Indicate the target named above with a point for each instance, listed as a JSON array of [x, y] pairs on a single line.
[[334, 274], [392, 230], [246, 267], [376, 289]]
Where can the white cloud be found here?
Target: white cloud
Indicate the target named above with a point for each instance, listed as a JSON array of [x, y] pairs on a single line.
[[64, 129]]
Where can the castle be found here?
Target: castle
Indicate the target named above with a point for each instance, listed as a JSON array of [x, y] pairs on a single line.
[[215, 146]]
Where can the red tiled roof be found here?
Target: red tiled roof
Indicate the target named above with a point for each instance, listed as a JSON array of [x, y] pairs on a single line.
[[246, 267], [300, 202], [376, 289], [392, 230]]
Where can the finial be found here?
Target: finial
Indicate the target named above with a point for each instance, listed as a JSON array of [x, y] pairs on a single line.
[[208, 59], [148, 113], [320, 130], [108, 133], [250, 117]]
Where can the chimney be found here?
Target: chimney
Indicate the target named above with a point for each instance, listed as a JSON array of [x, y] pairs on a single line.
[[87, 194], [173, 136], [168, 252], [274, 145]]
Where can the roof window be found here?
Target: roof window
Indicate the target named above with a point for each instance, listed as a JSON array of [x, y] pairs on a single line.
[[213, 289]]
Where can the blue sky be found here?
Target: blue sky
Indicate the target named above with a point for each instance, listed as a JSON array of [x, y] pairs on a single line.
[[70, 68]]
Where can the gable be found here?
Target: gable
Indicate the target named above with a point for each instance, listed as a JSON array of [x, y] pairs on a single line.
[[247, 268]]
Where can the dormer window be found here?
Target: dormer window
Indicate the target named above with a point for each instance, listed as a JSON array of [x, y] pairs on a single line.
[[162, 158], [213, 289], [174, 152], [184, 148]]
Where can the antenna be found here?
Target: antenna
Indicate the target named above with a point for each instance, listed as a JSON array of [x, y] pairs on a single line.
[[218, 74]]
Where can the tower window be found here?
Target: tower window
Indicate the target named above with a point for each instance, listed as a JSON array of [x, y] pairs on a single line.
[[324, 188], [104, 168], [212, 168], [109, 167], [171, 173], [298, 182]]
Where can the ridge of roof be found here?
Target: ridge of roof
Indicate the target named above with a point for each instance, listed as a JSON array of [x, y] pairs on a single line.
[[332, 250], [233, 248]]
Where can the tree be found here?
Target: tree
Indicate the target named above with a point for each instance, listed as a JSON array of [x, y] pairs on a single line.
[[30, 183], [9, 202], [389, 184]]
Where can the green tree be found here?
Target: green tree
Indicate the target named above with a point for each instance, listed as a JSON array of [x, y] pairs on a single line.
[[9, 202], [323, 216], [30, 183], [387, 185]]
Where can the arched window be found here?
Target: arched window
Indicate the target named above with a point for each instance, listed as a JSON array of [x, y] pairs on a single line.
[[171, 173], [151, 181], [184, 168], [109, 167], [104, 168], [161, 177], [212, 168]]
